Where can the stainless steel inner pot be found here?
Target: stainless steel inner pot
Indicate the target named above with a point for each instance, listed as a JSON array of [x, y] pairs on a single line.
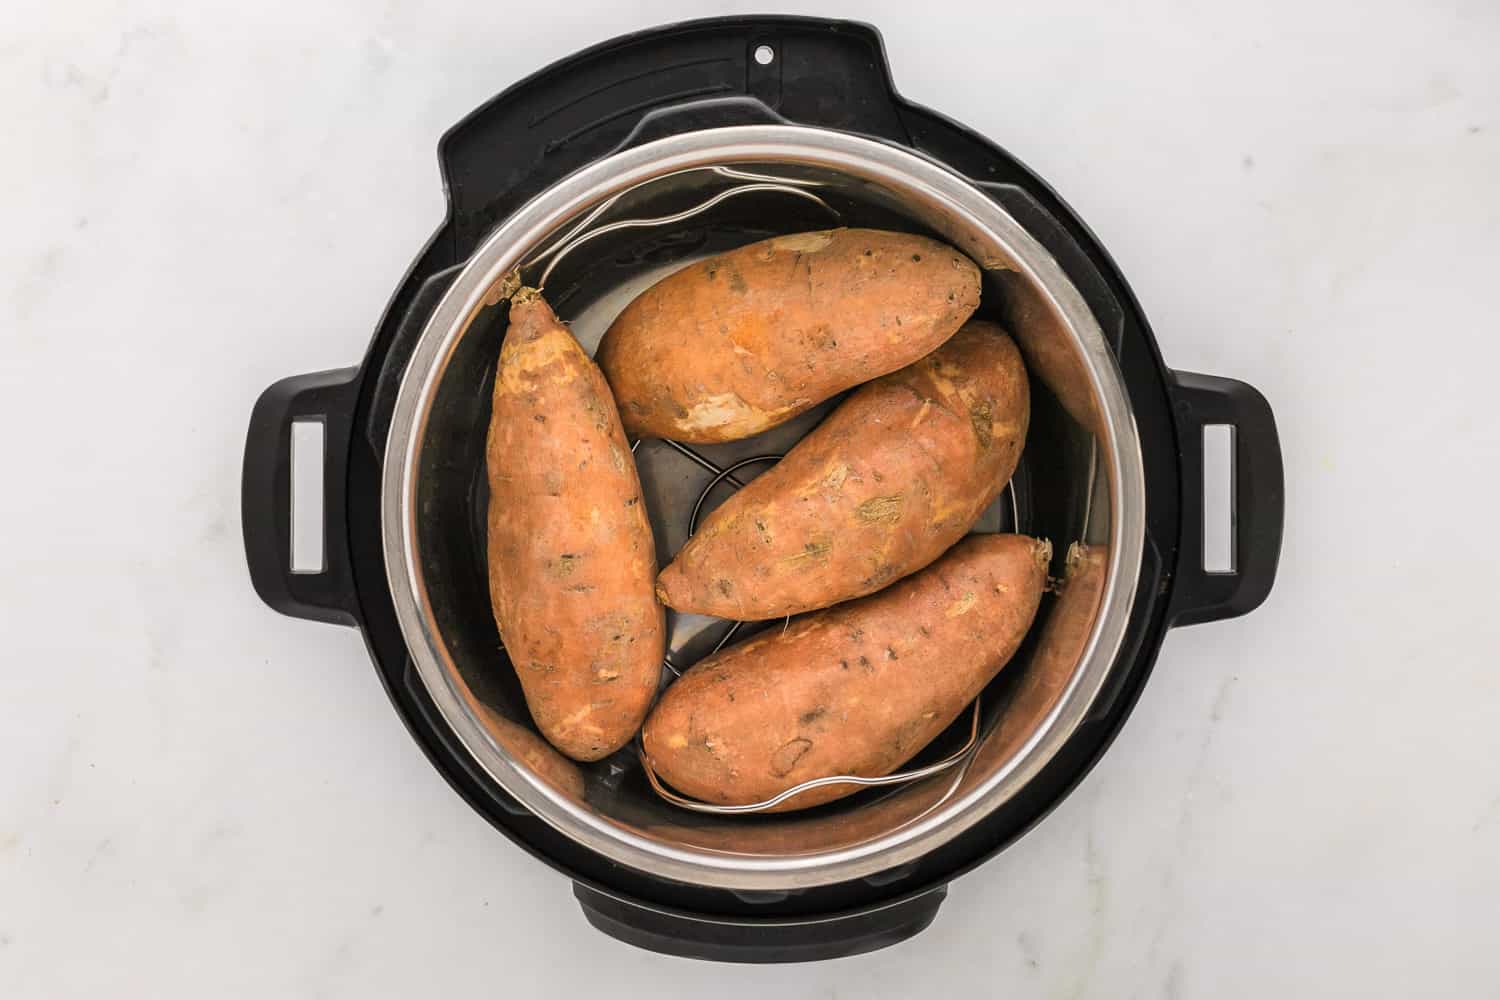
[[1074, 486]]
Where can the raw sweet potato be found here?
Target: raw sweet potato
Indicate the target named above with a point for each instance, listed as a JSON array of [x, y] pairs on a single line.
[[740, 342], [857, 689], [533, 752], [1050, 354], [525, 746], [571, 557], [884, 486], [1064, 632], [1069, 624]]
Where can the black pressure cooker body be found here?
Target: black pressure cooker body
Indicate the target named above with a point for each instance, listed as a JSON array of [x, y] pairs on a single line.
[[706, 75]]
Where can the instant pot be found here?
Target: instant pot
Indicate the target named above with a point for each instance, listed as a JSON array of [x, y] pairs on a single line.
[[597, 176]]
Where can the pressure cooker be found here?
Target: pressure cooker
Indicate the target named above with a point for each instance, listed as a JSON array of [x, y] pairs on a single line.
[[606, 171]]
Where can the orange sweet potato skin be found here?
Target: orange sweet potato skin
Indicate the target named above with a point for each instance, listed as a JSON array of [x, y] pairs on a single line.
[[857, 689], [1044, 342], [1064, 634], [884, 486], [571, 557], [743, 341], [524, 745], [535, 753]]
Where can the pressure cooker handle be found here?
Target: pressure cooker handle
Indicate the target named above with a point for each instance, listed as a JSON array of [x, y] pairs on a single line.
[[323, 594], [1257, 498], [763, 941]]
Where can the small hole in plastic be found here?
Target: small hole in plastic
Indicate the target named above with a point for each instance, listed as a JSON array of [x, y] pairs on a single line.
[[764, 54], [1218, 499]]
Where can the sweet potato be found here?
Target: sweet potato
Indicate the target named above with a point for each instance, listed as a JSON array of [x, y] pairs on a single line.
[[533, 752], [740, 342], [884, 486], [571, 557], [1069, 624], [857, 689], [1065, 631], [1050, 355], [525, 746]]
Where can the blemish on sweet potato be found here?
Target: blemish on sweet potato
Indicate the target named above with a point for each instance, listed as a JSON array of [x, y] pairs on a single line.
[[981, 417], [907, 739], [812, 242], [921, 414], [811, 551], [786, 757], [961, 606], [737, 281], [503, 289], [880, 510]]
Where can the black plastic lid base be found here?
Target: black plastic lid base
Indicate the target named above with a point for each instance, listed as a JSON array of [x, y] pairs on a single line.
[[719, 939]]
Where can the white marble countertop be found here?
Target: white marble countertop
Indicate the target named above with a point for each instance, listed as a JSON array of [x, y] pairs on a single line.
[[201, 798]]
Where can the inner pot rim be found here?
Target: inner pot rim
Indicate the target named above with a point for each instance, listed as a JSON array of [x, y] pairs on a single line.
[[916, 178]]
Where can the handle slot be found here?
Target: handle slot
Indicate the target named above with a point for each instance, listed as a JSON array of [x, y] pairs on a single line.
[[1219, 552], [308, 446]]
